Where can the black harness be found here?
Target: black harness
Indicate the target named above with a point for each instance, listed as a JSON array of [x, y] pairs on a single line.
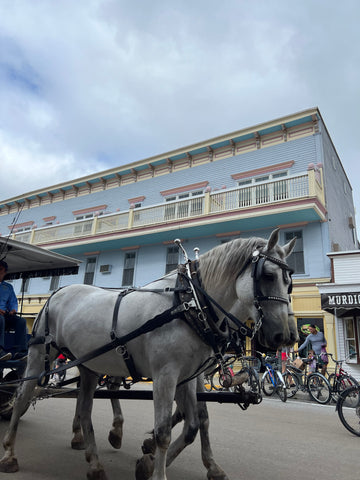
[[192, 303]]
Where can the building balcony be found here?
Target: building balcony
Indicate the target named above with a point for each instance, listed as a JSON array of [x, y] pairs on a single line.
[[288, 200]]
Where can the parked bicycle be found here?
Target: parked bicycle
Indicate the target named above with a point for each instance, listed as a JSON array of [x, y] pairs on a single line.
[[340, 380], [348, 408], [224, 377], [272, 380], [314, 383]]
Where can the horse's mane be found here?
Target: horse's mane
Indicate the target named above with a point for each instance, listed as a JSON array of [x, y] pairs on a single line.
[[223, 263]]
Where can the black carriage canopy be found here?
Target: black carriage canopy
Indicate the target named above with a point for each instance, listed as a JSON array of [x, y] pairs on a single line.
[[27, 261]]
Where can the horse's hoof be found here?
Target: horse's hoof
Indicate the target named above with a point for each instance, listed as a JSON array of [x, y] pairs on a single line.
[[77, 444], [96, 475], [144, 467], [9, 465], [148, 446], [217, 475], [114, 440]]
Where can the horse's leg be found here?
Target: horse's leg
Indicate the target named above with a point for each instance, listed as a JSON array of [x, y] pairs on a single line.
[[88, 383], [149, 443], [77, 442], [214, 472], [116, 433], [187, 406], [25, 393], [163, 394]]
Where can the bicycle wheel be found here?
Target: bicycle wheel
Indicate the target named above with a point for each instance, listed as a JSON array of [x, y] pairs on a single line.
[[348, 408], [280, 387], [267, 384], [343, 382], [291, 383], [319, 388]]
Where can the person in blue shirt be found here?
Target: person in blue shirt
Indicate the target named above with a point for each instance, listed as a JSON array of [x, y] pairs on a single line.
[[318, 341], [8, 317]]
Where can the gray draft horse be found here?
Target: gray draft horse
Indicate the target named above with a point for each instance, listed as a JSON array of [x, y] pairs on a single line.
[[80, 320]]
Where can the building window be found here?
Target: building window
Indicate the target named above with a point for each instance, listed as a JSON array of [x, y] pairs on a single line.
[[90, 271], [263, 189], [184, 205], [350, 340], [25, 285], [172, 258], [296, 259], [129, 268], [54, 283]]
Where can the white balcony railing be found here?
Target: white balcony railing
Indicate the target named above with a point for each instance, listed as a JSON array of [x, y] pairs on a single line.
[[260, 194], [240, 198]]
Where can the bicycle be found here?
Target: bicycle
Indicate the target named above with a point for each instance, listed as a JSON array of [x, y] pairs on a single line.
[[314, 383], [340, 380], [348, 408], [272, 380], [219, 378], [224, 378]]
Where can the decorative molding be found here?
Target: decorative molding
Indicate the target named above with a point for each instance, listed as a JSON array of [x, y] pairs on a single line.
[[21, 225], [89, 210], [186, 188], [136, 199], [49, 219], [260, 171]]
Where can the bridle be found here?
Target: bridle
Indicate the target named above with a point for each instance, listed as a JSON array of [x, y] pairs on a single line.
[[258, 260]]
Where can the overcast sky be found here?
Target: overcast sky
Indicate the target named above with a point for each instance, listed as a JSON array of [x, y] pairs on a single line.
[[87, 85]]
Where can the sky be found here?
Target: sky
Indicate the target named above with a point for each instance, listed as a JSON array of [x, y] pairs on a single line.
[[89, 85]]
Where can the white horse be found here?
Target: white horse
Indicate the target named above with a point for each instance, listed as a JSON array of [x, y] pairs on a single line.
[[80, 318]]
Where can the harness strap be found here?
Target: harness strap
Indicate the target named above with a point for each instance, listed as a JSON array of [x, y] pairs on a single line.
[[243, 329], [163, 318]]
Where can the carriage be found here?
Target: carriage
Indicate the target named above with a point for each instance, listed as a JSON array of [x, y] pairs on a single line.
[[25, 261], [169, 331]]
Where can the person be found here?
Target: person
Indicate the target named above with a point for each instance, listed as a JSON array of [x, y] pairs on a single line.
[[312, 361], [285, 355], [8, 317], [317, 340]]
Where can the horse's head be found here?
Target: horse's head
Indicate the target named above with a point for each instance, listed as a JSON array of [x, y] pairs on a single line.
[[267, 282]]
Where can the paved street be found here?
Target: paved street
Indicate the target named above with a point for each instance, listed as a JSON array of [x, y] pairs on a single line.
[[271, 441]]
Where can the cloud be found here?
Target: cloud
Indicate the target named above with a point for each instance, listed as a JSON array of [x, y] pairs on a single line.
[[91, 84]]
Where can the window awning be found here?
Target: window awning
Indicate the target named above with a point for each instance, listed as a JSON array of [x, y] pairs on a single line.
[[27, 261], [340, 300]]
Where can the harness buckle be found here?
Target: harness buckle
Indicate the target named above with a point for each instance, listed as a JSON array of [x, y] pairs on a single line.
[[122, 350], [48, 339]]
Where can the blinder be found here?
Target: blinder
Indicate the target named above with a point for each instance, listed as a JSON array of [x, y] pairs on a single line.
[[257, 267]]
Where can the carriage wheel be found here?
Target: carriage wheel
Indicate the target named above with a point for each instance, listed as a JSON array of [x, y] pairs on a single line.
[[8, 395]]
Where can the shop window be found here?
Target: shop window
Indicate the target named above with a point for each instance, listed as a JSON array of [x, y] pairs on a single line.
[[296, 259], [129, 269]]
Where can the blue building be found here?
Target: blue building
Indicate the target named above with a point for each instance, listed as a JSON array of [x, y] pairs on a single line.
[[121, 222]]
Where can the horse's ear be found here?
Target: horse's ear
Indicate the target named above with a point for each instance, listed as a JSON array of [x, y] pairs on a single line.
[[289, 247], [273, 240]]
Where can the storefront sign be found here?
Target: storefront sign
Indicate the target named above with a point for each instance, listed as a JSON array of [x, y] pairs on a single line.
[[340, 300]]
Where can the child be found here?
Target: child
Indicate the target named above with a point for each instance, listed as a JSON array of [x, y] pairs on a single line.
[[312, 361]]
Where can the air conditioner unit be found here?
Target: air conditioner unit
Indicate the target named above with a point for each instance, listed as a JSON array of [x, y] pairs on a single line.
[[105, 268]]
